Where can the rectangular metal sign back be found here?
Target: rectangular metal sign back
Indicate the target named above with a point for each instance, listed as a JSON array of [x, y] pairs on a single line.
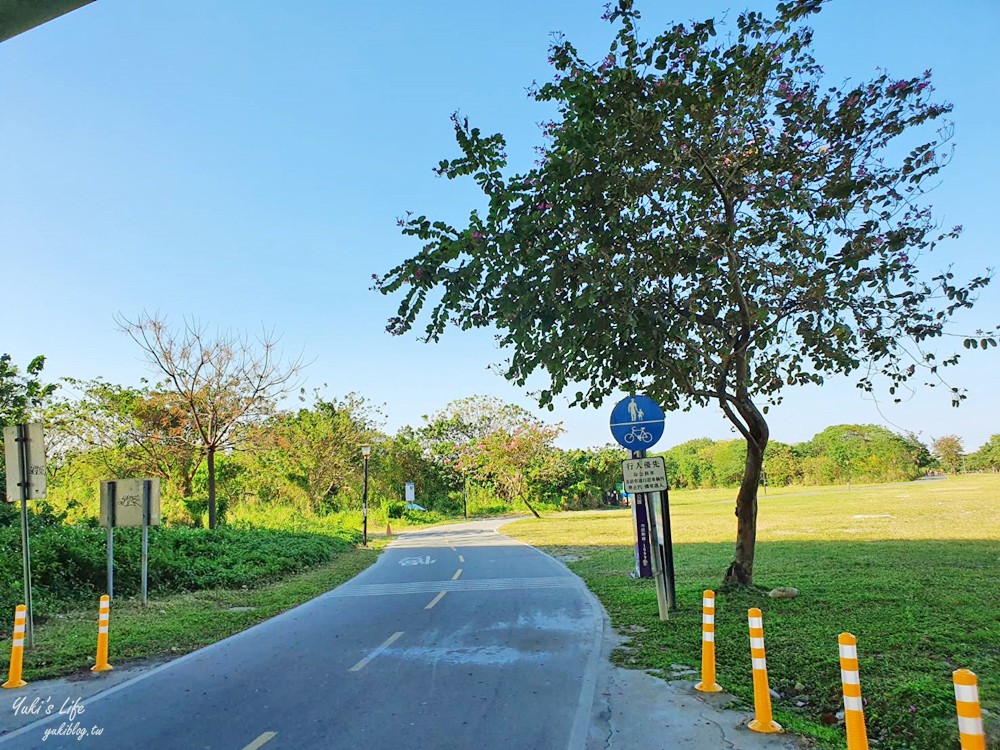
[[35, 463], [129, 502], [644, 474]]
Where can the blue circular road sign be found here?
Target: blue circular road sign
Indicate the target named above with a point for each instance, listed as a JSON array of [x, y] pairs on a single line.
[[637, 422]]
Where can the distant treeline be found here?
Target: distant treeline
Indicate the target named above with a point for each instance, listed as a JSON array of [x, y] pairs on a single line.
[[838, 455], [303, 468]]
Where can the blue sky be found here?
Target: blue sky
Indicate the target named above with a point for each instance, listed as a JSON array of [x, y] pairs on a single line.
[[243, 164]]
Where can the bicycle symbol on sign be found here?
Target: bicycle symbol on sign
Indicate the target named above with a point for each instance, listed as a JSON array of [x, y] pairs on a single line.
[[639, 433]]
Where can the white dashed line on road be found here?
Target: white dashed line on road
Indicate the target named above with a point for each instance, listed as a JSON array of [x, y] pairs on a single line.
[[436, 599], [388, 642], [257, 743]]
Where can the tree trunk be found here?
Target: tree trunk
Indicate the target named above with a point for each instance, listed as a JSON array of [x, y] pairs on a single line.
[[533, 511], [211, 487], [740, 572]]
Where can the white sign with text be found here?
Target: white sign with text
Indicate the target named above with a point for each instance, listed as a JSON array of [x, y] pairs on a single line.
[[644, 474]]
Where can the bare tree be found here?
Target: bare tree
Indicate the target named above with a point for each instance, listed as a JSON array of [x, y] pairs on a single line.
[[225, 381]]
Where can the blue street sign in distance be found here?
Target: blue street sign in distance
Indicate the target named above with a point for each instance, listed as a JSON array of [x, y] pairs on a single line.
[[637, 422]]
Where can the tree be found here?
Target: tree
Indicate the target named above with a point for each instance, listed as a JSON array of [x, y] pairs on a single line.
[[133, 431], [987, 458], [741, 226], [464, 424], [224, 382], [948, 451], [516, 462], [500, 444], [317, 450], [781, 464], [20, 396]]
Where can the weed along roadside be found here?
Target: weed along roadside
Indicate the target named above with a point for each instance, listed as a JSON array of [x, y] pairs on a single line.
[[893, 606], [175, 623]]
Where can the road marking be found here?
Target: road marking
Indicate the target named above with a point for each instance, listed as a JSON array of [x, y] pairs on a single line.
[[457, 574], [388, 642], [426, 560], [436, 599], [461, 559], [468, 584], [266, 737]]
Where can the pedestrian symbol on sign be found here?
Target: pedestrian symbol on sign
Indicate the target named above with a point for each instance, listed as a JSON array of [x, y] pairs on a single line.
[[637, 422]]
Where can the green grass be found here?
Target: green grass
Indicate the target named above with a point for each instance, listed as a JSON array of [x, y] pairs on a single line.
[[175, 624], [913, 570]]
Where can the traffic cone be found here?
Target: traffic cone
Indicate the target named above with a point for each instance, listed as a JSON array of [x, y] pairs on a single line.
[[17, 649], [103, 620], [708, 683], [388, 529]]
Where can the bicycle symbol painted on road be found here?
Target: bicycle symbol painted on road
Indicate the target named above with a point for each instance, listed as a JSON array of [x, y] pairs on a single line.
[[639, 433], [426, 560]]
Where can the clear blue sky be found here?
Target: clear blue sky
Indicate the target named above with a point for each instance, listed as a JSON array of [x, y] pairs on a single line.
[[243, 163]]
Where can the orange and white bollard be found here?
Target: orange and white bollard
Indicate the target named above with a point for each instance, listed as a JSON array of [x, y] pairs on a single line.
[[850, 679], [17, 649], [708, 682], [103, 620], [763, 718], [970, 713]]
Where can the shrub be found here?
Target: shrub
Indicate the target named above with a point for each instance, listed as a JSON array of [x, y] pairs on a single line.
[[69, 563]]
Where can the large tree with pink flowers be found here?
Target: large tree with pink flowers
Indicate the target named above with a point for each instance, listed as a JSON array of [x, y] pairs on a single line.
[[709, 220]]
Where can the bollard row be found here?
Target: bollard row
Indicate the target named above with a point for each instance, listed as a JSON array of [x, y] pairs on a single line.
[[970, 716], [14, 679]]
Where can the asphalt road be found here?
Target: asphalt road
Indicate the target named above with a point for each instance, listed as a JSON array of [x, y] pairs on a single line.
[[457, 638]]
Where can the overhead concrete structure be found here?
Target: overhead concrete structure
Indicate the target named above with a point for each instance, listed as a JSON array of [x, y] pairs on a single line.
[[17, 16]]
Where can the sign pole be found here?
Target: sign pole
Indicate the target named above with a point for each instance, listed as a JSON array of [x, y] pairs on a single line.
[[111, 540], [662, 604], [147, 492], [668, 552], [642, 521], [22, 454]]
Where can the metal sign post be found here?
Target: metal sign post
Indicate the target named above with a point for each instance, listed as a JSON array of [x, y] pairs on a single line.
[[648, 474], [130, 502], [25, 481], [637, 423], [643, 548], [147, 491], [662, 606], [112, 504], [667, 550], [24, 459]]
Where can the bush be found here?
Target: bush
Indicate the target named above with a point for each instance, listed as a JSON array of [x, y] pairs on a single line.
[[396, 510], [69, 563]]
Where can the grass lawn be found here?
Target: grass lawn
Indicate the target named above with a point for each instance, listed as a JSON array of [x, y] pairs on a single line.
[[175, 624], [912, 569]]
